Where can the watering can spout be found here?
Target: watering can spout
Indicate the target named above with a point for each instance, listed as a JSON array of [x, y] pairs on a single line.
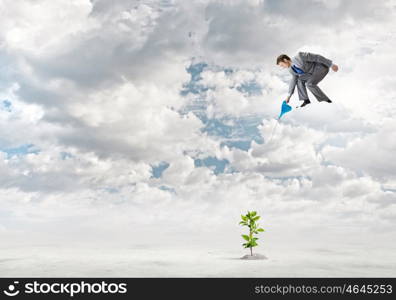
[[284, 109]]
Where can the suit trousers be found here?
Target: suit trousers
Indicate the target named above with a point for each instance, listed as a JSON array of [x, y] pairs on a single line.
[[311, 81]]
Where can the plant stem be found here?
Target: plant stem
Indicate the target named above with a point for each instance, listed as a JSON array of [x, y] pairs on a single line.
[[251, 236]]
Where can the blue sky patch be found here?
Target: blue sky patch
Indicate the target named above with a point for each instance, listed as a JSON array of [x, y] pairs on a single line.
[[6, 105], [193, 86], [211, 162], [167, 188], [235, 132], [21, 150], [65, 155], [251, 88], [111, 190], [159, 169]]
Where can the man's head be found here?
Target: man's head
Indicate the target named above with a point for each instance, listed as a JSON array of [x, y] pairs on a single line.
[[283, 60]]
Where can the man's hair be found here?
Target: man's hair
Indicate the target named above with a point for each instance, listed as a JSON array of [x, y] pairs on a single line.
[[282, 57]]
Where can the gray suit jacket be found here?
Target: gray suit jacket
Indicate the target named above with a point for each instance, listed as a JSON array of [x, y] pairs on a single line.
[[306, 61]]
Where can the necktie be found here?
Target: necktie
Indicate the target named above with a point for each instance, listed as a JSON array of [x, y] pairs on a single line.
[[297, 69]]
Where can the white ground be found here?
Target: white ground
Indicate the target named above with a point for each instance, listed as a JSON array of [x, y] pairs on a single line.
[[143, 260]]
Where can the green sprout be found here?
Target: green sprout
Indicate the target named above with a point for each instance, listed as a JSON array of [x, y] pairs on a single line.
[[250, 220]]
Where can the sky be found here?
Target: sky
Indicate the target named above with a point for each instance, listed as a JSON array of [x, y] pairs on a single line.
[[150, 120]]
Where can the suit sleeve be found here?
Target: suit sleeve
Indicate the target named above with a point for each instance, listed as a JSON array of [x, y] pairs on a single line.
[[292, 84], [307, 56]]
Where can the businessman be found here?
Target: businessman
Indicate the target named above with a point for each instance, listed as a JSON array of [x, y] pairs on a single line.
[[307, 69]]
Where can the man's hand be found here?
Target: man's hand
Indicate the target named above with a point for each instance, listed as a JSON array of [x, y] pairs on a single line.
[[334, 67], [288, 99]]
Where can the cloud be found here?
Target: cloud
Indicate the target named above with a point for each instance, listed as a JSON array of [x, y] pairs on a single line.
[[371, 154], [105, 91]]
